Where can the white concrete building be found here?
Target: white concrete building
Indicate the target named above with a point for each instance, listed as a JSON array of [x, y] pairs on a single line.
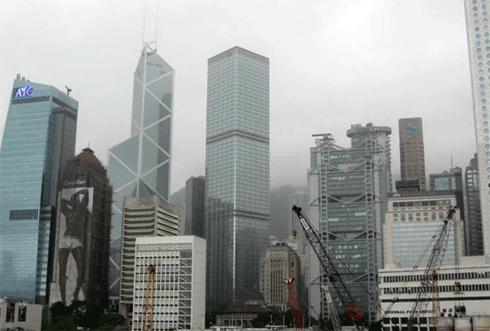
[[404, 284], [143, 217], [20, 315], [411, 219], [180, 282], [478, 30]]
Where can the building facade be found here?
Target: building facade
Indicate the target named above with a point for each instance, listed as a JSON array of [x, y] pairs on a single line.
[[180, 281], [142, 217], [473, 226], [194, 206], [82, 227], [348, 188], [277, 263], [412, 159], [140, 165], [21, 316], [411, 221], [39, 138], [478, 37], [237, 173], [450, 180], [405, 283]]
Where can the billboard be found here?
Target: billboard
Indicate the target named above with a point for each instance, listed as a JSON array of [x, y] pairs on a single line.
[[72, 242]]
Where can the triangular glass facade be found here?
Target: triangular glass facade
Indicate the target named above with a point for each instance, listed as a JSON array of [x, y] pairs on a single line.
[[140, 165]]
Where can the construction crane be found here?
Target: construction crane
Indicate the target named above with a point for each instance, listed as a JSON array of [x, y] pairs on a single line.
[[430, 277], [293, 301], [149, 300], [332, 311], [314, 238]]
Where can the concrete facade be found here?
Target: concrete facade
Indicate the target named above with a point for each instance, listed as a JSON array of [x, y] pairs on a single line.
[[180, 282], [142, 217]]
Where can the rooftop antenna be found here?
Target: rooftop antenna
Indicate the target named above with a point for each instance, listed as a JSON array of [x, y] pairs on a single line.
[[68, 90], [144, 25], [451, 161], [156, 30]]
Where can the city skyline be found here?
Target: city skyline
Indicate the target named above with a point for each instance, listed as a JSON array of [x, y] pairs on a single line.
[[338, 80]]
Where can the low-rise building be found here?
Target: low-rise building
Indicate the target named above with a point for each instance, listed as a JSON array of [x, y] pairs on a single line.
[[20, 315], [463, 290], [180, 282]]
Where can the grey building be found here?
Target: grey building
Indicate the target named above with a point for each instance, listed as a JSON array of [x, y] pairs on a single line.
[[142, 217], [348, 189], [450, 180], [140, 165], [472, 224], [479, 55], [194, 206], [411, 221], [82, 232], [278, 262], [237, 173], [412, 159], [38, 139]]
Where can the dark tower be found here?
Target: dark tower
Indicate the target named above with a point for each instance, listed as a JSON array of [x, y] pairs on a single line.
[[81, 243]]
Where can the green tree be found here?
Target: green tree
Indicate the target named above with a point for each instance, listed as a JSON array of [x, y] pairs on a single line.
[[62, 323], [84, 314], [110, 321]]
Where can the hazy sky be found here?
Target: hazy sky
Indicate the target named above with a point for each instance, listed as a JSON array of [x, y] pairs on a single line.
[[333, 63]]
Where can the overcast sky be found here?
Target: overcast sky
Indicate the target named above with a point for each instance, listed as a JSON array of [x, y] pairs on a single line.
[[333, 63]]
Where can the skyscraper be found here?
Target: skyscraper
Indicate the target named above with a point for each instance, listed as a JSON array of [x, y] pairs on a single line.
[[237, 173], [472, 224], [39, 138], [477, 24], [140, 165], [412, 161], [348, 189], [82, 232]]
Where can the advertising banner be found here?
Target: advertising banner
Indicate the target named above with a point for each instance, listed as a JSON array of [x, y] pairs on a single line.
[[71, 265]]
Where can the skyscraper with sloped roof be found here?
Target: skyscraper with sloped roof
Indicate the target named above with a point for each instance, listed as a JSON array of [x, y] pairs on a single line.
[[140, 165]]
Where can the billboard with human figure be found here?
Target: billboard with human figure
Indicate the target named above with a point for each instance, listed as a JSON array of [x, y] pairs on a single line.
[[72, 246]]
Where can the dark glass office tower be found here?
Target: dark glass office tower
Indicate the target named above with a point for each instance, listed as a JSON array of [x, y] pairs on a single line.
[[194, 207], [39, 138], [237, 173], [140, 165]]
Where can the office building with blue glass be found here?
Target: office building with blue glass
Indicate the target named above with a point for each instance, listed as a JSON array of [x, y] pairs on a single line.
[[39, 138], [237, 173], [140, 165]]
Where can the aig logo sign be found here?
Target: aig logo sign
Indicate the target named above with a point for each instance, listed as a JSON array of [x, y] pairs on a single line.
[[22, 92]]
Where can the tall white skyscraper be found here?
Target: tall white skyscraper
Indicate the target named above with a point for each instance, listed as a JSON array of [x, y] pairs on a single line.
[[140, 165], [478, 29], [237, 173]]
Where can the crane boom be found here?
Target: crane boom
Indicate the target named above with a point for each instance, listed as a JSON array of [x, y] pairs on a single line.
[[149, 300], [293, 302], [314, 239], [429, 278]]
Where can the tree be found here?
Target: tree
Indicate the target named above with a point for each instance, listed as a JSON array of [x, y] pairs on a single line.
[[62, 323], [110, 321], [84, 314]]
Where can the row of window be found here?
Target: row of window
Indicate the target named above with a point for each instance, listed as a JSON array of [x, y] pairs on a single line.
[[421, 203], [442, 276], [442, 288]]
